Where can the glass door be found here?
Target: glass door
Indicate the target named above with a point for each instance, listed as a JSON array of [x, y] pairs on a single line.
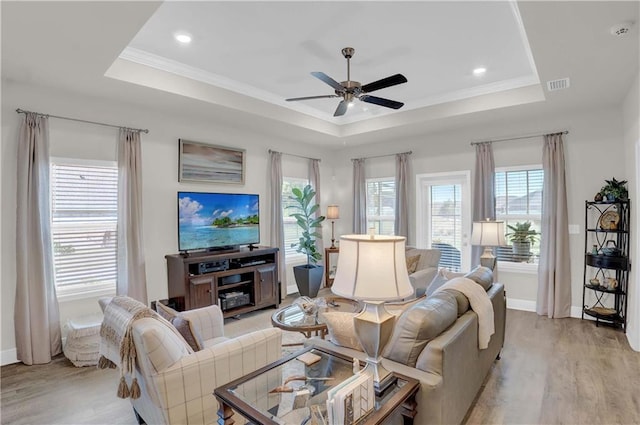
[[443, 217]]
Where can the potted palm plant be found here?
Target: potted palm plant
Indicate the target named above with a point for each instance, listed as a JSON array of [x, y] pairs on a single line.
[[522, 236], [308, 276]]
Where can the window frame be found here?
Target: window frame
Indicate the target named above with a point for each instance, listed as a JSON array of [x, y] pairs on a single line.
[[86, 290], [380, 218], [514, 266]]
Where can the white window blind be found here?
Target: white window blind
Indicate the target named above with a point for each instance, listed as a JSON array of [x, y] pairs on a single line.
[[446, 224], [84, 212], [292, 231], [519, 199], [381, 205]]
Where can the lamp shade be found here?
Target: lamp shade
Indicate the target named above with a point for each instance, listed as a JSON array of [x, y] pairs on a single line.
[[488, 233], [333, 212], [372, 268]]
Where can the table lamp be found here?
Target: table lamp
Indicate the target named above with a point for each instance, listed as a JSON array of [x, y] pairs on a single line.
[[373, 269], [333, 213], [488, 233]]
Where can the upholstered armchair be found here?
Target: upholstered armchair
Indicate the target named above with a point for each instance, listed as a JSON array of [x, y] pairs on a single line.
[[176, 382], [423, 269]]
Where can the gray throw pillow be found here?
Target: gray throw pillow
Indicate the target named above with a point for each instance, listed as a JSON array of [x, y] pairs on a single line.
[[438, 280], [483, 276], [419, 325]]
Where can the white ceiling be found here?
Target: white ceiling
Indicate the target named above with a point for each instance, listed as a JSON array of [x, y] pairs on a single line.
[[247, 57]]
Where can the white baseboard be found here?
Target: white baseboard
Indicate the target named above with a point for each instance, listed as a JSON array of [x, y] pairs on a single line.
[[8, 357], [528, 305]]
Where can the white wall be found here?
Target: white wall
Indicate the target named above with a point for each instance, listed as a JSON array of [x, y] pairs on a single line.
[[593, 149], [160, 171], [631, 126]]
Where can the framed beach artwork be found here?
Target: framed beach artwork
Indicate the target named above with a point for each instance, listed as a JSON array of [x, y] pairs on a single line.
[[200, 162]]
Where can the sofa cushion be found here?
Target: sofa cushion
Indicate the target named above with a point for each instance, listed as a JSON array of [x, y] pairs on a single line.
[[461, 299], [419, 325], [483, 276], [341, 329]]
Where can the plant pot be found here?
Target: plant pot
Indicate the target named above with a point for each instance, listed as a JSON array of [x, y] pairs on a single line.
[[521, 251], [308, 279]]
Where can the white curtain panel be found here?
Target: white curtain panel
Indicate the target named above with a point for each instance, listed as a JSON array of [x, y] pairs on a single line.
[[276, 226], [484, 193], [402, 195], [132, 280], [554, 270], [37, 320], [314, 180], [359, 197]]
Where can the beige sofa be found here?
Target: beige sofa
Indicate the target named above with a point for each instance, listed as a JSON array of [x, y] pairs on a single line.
[[177, 383], [451, 367], [427, 268]]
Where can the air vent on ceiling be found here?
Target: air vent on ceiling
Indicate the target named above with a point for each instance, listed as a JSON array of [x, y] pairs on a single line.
[[560, 84]]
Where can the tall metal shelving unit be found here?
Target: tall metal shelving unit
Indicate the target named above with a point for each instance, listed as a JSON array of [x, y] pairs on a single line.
[[606, 262]]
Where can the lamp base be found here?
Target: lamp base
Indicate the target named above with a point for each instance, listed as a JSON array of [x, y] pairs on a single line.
[[333, 239], [487, 259], [374, 326]]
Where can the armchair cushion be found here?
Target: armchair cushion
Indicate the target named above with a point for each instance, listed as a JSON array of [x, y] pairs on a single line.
[[412, 263], [425, 270]]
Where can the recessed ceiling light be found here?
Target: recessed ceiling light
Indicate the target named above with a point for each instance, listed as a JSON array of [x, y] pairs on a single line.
[[183, 38], [479, 71]]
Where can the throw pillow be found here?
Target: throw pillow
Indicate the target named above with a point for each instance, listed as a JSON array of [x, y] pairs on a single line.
[[450, 275], [341, 329], [483, 276], [438, 280], [182, 324], [419, 325], [412, 263], [165, 311], [188, 332]]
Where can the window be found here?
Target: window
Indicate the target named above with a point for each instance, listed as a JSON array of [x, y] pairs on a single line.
[[381, 205], [518, 200], [84, 214], [292, 231], [446, 223]]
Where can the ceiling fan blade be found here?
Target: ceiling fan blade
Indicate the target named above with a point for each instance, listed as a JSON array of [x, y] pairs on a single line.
[[341, 109], [385, 82], [312, 97], [324, 77], [381, 101]]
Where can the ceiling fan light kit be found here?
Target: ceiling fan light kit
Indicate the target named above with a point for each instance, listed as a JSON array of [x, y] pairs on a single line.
[[349, 90]]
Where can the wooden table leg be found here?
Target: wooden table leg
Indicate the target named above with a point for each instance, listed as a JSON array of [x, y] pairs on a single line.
[[225, 414], [409, 410]]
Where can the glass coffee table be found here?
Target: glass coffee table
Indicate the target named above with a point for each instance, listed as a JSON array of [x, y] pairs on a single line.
[[290, 392], [292, 318]]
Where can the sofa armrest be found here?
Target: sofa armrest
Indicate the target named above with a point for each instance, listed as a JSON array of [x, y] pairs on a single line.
[[207, 321], [186, 388]]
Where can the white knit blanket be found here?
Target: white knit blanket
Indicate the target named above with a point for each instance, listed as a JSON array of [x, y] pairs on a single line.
[[480, 304]]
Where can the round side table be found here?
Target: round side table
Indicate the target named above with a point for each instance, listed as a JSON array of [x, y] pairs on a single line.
[[291, 318]]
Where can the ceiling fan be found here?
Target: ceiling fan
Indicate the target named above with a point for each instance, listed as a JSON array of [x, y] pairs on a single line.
[[349, 90]]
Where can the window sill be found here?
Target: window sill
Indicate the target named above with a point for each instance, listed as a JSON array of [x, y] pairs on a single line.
[[512, 267], [76, 294]]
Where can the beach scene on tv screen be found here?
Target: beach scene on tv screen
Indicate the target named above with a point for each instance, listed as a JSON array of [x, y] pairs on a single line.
[[209, 220]]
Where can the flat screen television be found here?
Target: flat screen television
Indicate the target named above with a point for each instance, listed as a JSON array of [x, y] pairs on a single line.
[[217, 220]]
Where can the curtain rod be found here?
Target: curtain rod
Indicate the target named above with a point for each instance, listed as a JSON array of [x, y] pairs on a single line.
[[293, 154], [21, 111], [382, 156], [529, 136]]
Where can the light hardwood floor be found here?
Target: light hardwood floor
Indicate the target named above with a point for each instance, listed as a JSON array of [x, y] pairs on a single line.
[[563, 371]]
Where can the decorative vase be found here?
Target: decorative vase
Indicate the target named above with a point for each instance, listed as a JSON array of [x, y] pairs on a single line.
[[521, 251], [308, 279]]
